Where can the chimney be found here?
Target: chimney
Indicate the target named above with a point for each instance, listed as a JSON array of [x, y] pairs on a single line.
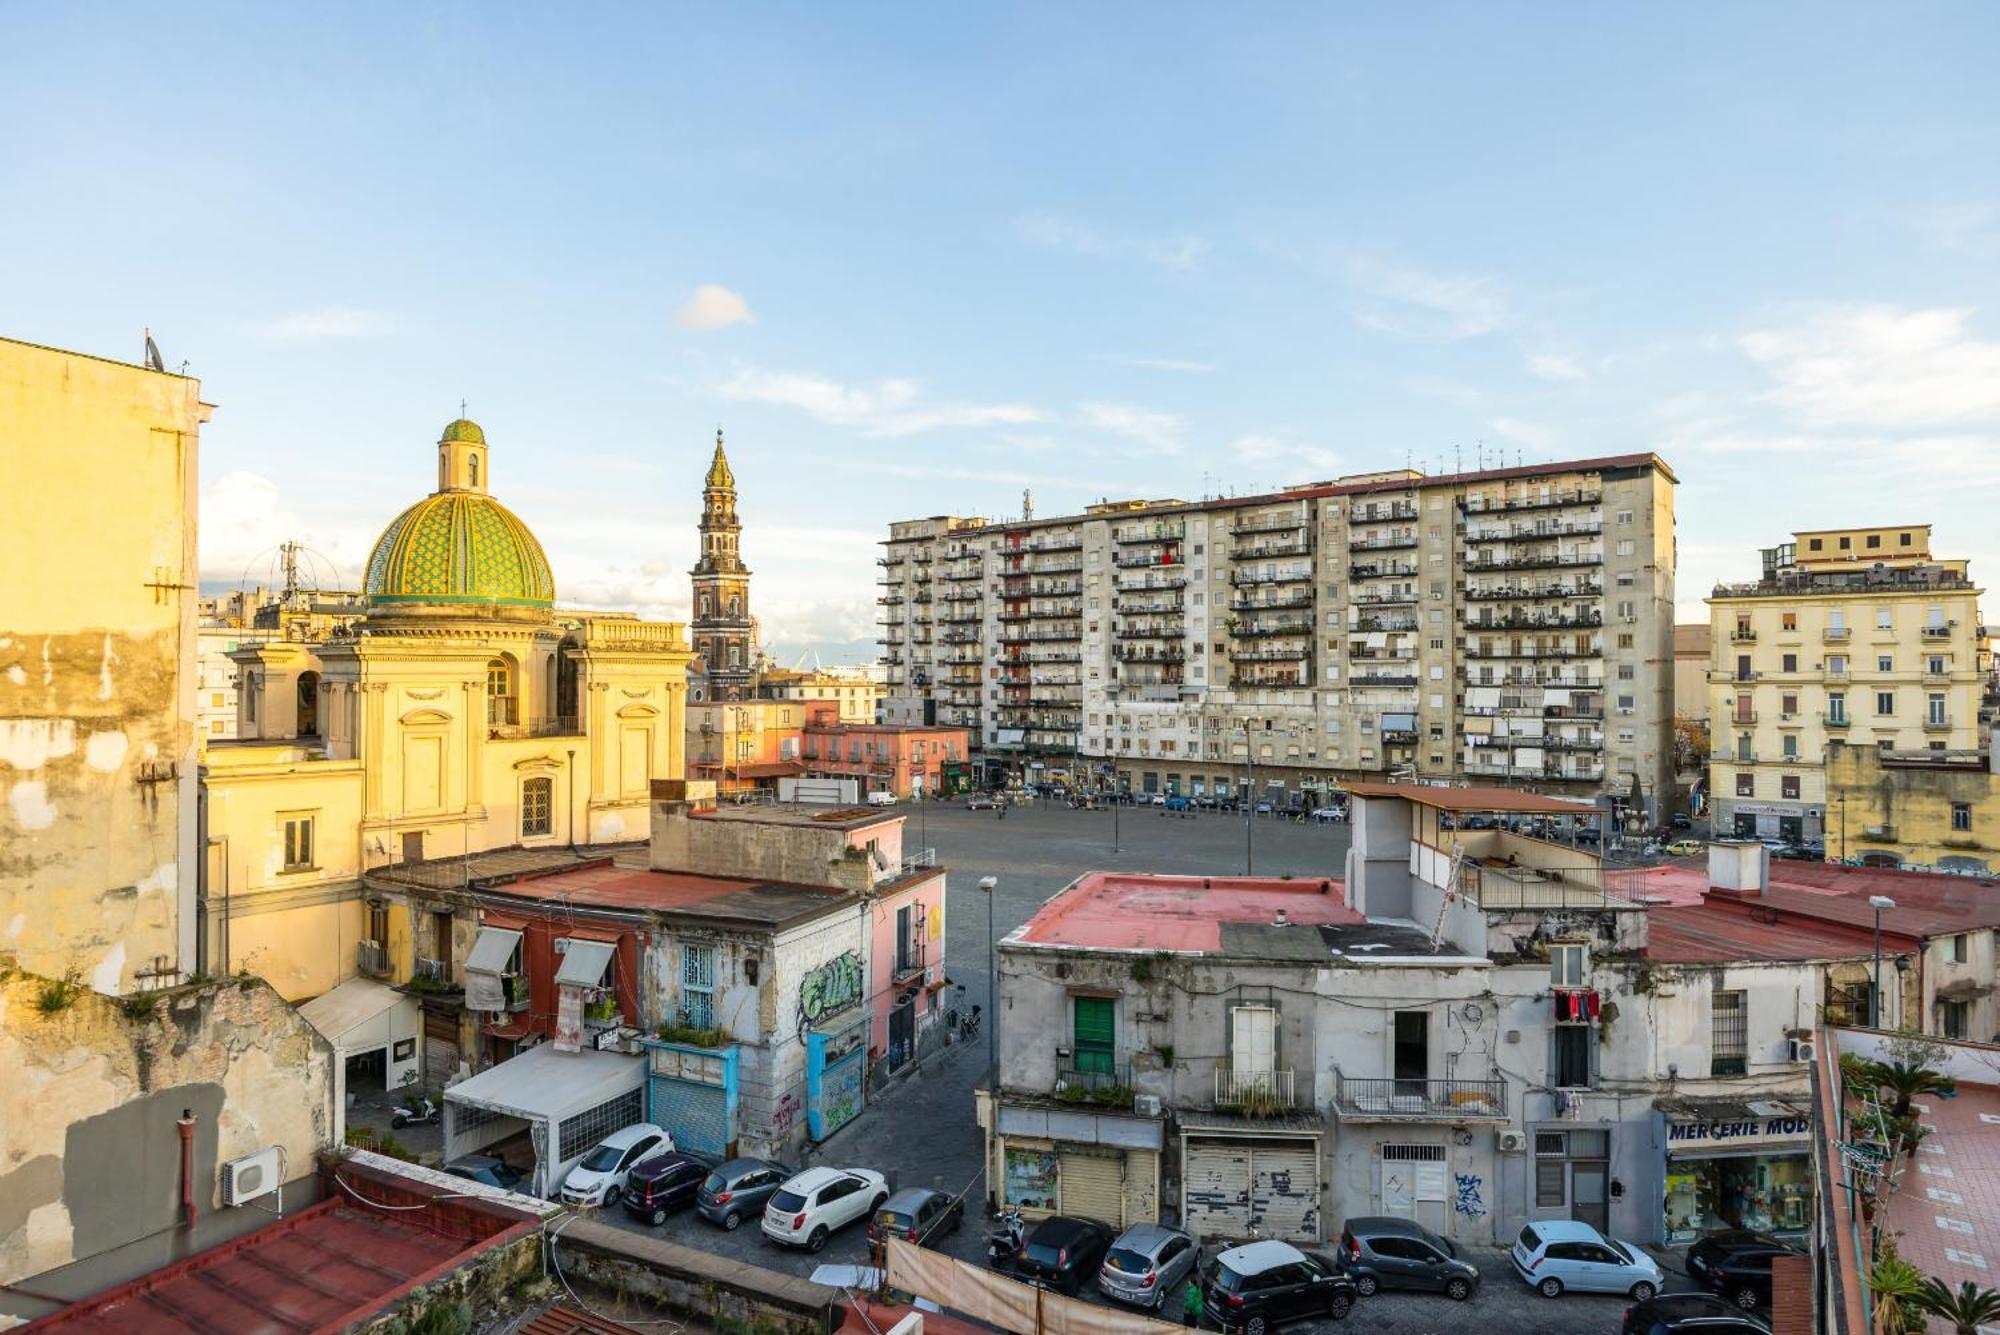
[[1739, 866], [1281, 920]]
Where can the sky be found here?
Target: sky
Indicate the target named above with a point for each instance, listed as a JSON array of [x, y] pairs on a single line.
[[916, 259]]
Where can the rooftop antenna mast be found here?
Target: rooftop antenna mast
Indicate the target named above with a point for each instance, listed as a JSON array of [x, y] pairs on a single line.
[[1027, 504]]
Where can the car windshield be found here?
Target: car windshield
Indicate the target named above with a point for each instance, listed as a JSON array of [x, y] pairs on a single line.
[[893, 1219], [713, 1183], [786, 1201], [1224, 1278], [1127, 1260], [1042, 1253], [601, 1160], [1623, 1252]]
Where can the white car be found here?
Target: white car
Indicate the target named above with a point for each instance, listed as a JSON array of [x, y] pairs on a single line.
[[816, 1202], [601, 1174], [881, 797], [1321, 815], [1555, 1255]]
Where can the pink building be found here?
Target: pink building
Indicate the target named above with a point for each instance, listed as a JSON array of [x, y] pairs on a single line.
[[888, 757]]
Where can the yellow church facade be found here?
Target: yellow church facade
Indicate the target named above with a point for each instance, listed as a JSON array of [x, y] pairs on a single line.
[[462, 714]]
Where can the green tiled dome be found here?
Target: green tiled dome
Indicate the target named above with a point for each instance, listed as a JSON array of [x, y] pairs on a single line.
[[464, 431], [459, 547]]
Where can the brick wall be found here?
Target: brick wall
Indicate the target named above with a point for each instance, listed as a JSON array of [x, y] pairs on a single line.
[[1792, 1295]]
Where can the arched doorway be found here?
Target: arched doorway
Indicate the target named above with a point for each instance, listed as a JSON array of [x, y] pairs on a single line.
[[503, 701], [308, 704]]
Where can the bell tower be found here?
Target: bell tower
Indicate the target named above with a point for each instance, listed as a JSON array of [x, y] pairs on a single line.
[[721, 628]]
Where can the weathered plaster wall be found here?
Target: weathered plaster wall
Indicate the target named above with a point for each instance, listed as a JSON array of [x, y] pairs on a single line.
[[97, 682], [89, 1146]]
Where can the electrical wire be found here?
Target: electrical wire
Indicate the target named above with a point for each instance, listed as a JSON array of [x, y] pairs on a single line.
[[555, 1263]]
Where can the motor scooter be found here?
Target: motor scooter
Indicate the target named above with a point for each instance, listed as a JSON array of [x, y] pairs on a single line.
[[425, 1113], [1003, 1244]]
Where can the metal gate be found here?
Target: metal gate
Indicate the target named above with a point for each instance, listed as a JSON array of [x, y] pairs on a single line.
[[440, 1048], [1093, 1185], [835, 1071], [1284, 1190], [1246, 1189], [1216, 1189]]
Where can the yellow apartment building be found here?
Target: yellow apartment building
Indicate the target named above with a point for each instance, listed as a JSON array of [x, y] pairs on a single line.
[[462, 713], [1919, 810], [1850, 638]]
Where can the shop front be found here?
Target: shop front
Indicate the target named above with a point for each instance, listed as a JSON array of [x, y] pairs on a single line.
[[1734, 1163], [1101, 1166]]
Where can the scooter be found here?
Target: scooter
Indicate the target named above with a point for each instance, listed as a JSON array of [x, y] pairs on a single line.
[[426, 1114], [1003, 1245]]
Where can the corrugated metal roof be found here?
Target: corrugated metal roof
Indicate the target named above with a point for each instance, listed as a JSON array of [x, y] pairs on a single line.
[[684, 893]]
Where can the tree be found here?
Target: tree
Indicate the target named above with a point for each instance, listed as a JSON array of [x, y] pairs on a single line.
[[1902, 1083], [1895, 1285], [1967, 1308]]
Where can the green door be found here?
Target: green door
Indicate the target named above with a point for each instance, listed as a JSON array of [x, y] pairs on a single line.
[[1096, 1048]]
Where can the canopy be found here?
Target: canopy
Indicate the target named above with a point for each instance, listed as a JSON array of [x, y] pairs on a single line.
[[539, 1091], [493, 950], [355, 1017], [584, 963]]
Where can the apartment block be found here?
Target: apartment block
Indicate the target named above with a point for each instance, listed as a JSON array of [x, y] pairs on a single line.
[[1509, 625], [1850, 637]]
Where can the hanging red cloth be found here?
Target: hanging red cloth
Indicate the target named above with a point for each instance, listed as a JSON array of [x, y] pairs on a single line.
[[1590, 998]]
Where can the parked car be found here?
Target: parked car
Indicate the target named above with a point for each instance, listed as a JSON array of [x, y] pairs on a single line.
[[1681, 848], [1553, 1255], [1683, 821], [1062, 1251], [601, 1174], [658, 1186], [1690, 1314], [1156, 799], [1736, 1263], [1261, 1284], [918, 1213], [1264, 808], [1146, 1265], [1322, 815], [1381, 1251], [1179, 804], [485, 1168], [881, 797], [808, 1208], [739, 1188], [981, 802]]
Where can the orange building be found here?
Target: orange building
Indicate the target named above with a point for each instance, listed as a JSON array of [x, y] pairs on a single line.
[[747, 744], [901, 759]]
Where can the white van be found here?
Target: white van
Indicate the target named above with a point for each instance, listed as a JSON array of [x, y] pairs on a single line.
[[881, 797]]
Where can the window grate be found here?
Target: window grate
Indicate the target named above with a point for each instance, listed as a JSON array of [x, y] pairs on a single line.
[[1729, 1030], [698, 986]]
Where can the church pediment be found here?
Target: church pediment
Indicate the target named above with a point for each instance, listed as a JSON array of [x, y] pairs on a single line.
[[423, 717]]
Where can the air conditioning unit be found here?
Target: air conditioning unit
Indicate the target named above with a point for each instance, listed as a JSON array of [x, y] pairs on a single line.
[[1513, 1142], [1146, 1105], [1802, 1049], [246, 1178]]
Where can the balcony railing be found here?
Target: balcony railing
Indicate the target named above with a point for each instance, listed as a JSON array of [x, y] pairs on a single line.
[[1587, 886], [371, 958], [911, 959], [1254, 1092], [1387, 1099], [1111, 1088]]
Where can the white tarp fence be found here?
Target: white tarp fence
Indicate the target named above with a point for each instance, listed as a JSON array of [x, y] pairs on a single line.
[[1007, 1303]]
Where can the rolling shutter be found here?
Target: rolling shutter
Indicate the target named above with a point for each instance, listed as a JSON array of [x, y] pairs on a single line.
[[1216, 1189], [1284, 1191], [1142, 1185], [1093, 1185]]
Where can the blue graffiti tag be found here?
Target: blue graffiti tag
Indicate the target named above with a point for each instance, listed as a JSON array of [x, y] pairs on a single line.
[[1469, 1203]]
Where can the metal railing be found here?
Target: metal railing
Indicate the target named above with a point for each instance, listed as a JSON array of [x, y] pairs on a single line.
[[1390, 1099], [1582, 886], [923, 857], [371, 958], [1084, 1082], [911, 958], [433, 971], [1254, 1090]]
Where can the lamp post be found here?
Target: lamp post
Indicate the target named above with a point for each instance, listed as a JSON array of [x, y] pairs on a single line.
[[988, 885], [1878, 903], [1249, 803]]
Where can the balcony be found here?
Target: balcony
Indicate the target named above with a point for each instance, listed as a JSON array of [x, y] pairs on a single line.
[[1272, 602], [912, 957], [1532, 593], [1382, 542], [1267, 551], [1134, 560], [1104, 1089], [371, 958], [1936, 632], [1254, 1093], [1386, 1099], [1937, 723], [1834, 634], [1243, 578], [1553, 500], [1833, 721], [1270, 524], [1742, 635]]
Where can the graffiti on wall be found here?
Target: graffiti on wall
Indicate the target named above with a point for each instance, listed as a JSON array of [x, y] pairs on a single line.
[[831, 988], [1469, 1202], [785, 1116]]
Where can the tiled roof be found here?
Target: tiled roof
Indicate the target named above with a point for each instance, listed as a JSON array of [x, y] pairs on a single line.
[[1721, 931]]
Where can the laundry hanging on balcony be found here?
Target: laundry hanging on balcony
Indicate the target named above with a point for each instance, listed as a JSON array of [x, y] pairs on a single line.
[[1576, 1006]]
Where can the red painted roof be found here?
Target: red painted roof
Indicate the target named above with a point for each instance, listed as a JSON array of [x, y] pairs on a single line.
[[320, 1270], [1472, 799], [1721, 931], [638, 888], [1140, 912], [1927, 903]]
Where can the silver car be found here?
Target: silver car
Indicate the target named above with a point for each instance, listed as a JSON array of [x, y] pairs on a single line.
[[1553, 1256], [1147, 1263]]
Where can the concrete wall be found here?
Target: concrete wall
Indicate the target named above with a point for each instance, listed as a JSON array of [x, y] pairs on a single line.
[[724, 1294], [97, 667], [803, 853], [1916, 802], [925, 897], [89, 1146]]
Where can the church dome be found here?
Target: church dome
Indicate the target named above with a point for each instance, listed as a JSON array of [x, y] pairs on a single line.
[[458, 545], [466, 431]]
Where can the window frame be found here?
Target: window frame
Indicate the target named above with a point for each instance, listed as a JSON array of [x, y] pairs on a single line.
[[538, 813], [297, 829]]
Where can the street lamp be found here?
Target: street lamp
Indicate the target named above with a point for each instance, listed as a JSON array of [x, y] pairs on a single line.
[[988, 884], [1250, 803], [1878, 903]]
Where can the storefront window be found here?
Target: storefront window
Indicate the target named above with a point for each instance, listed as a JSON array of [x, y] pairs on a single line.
[[1031, 1178], [1766, 1193]]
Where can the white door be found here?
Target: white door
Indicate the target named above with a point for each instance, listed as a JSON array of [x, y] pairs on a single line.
[[1253, 1045]]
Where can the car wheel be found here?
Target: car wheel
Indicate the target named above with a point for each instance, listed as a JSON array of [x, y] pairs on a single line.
[[731, 1221], [876, 1204], [1458, 1290], [1746, 1298], [399, 1122], [1550, 1287], [657, 1218], [817, 1240], [1339, 1306], [1642, 1291], [1365, 1285], [1254, 1326]]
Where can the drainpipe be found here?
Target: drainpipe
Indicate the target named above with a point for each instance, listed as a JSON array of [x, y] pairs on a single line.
[[186, 1126]]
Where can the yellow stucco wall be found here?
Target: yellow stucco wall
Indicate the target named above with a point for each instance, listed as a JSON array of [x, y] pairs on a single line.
[[97, 702], [1911, 806]]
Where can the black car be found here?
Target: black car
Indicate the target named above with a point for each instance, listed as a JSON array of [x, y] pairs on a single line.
[[1257, 1286], [656, 1187], [1381, 1251], [1736, 1263], [917, 1213], [1063, 1251], [1690, 1314], [485, 1168], [738, 1189]]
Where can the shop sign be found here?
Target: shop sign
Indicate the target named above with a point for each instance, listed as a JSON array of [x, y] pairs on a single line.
[[1749, 1128]]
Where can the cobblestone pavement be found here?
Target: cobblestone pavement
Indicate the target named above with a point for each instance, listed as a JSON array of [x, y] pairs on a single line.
[[920, 1131]]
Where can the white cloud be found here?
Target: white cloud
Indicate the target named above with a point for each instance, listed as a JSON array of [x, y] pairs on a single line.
[[333, 322], [1427, 304], [1148, 426], [1881, 364], [1261, 448], [1180, 252], [1556, 366], [244, 519], [1156, 363], [714, 306], [887, 407]]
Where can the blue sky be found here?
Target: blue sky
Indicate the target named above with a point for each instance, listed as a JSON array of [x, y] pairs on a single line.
[[915, 258]]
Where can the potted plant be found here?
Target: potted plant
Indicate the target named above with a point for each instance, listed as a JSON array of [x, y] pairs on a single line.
[[1966, 1309]]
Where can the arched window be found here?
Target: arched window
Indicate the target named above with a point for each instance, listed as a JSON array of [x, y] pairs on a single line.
[[502, 706], [308, 704], [704, 605], [538, 814], [472, 470]]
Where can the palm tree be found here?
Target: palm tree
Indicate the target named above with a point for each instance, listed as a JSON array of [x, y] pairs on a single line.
[[1967, 1308], [1895, 1284], [1904, 1082]]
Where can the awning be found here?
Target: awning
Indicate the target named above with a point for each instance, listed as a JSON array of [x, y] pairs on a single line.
[[584, 963], [358, 1016], [494, 949]]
